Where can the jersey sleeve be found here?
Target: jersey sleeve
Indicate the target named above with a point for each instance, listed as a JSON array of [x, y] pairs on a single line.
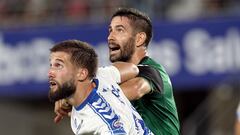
[[153, 76], [109, 72]]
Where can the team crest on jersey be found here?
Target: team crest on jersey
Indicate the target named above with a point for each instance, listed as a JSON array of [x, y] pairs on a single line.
[[117, 123]]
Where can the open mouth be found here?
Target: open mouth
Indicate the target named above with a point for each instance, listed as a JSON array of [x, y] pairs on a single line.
[[52, 84], [114, 48]]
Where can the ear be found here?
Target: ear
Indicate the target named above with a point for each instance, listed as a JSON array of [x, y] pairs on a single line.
[[140, 38], [82, 74]]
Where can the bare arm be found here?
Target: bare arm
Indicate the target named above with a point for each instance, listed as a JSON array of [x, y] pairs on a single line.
[[135, 88], [127, 70], [148, 79]]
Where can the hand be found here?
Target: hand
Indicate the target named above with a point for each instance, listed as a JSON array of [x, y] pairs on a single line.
[[61, 108]]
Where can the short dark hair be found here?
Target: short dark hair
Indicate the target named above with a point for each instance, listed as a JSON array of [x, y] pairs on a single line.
[[81, 54], [140, 21]]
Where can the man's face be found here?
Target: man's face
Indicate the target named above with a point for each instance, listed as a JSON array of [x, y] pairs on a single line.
[[61, 76], [121, 40]]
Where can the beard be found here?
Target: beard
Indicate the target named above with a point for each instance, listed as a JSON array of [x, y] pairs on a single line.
[[65, 90], [126, 52]]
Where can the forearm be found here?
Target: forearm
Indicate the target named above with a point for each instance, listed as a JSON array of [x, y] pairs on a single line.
[[135, 88], [127, 70]]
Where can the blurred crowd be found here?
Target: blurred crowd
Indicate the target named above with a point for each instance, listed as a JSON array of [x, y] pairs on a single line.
[[35, 12]]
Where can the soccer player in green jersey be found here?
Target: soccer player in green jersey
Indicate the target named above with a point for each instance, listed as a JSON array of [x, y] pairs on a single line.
[[130, 32]]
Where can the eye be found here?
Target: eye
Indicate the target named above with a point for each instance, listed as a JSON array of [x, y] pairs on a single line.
[[58, 65], [110, 30], [120, 30]]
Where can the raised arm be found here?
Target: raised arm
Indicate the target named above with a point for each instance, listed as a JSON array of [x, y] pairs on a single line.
[[148, 79], [135, 88]]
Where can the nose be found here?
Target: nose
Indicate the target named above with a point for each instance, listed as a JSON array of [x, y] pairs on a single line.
[[110, 36], [51, 73]]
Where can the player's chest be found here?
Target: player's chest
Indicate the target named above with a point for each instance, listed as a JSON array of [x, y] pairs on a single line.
[[85, 121]]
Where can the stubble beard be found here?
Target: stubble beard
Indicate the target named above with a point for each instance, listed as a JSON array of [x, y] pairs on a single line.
[[126, 52]]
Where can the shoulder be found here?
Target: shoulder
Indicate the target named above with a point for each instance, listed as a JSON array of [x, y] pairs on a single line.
[[154, 73], [107, 69], [109, 73]]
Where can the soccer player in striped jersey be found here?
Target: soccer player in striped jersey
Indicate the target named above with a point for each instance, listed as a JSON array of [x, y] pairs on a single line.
[[98, 103]]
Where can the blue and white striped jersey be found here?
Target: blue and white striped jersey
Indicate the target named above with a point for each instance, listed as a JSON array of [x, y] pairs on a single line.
[[106, 110]]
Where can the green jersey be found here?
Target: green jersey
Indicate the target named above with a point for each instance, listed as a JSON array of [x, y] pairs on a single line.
[[157, 108]]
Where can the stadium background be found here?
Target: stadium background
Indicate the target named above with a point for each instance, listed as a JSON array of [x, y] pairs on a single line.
[[198, 42]]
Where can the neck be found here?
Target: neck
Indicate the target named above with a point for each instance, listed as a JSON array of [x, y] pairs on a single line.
[[138, 55], [83, 90]]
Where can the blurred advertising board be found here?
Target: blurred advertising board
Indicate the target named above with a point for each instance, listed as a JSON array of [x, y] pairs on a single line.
[[198, 53]]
